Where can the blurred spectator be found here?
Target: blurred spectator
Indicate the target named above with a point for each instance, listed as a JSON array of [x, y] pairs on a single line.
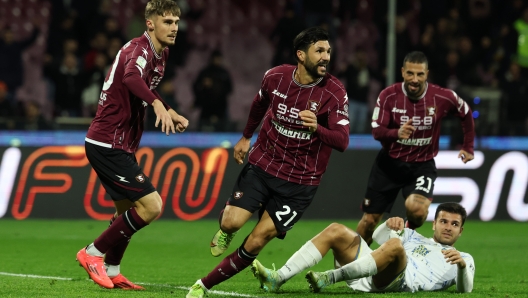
[[113, 30], [95, 79], [33, 119], [515, 88], [521, 25], [287, 28], [7, 111], [467, 62], [61, 39], [98, 44], [11, 64], [69, 82], [357, 77], [211, 89]]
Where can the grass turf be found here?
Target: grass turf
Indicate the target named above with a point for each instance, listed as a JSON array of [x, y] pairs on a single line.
[[169, 256]]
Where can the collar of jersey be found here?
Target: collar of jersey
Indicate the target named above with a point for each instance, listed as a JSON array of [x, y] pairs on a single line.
[[304, 86], [152, 45], [423, 95]]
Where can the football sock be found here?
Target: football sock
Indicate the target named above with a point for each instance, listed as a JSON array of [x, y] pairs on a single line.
[[91, 250], [362, 267], [230, 266], [112, 270], [124, 226], [115, 254], [307, 256]]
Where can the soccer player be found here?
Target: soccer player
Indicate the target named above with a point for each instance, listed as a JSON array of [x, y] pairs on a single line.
[[114, 135], [304, 113], [405, 262], [407, 120]]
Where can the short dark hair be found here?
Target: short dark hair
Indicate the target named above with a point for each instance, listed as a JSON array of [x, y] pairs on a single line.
[[452, 207], [416, 57], [161, 7], [308, 37]]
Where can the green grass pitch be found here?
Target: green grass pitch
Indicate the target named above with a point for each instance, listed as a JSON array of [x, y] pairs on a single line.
[[167, 257]]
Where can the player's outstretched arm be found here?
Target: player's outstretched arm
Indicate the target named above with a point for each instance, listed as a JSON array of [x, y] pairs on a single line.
[[163, 116], [465, 273], [179, 121]]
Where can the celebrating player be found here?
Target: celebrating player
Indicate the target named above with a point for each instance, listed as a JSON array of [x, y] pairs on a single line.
[[407, 120], [304, 114], [114, 135], [405, 262]]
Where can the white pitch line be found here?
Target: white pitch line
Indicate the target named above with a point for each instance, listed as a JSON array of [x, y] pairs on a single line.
[[35, 276], [141, 283]]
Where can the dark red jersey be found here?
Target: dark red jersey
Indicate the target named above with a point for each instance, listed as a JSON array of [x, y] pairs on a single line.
[[284, 147], [127, 91], [394, 108]]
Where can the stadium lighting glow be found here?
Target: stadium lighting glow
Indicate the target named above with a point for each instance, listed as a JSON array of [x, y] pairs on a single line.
[[476, 114], [476, 100]]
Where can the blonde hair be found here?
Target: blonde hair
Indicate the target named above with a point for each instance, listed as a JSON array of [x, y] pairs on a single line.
[[161, 8]]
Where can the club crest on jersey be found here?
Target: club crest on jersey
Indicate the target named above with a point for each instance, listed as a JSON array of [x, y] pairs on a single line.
[[140, 178], [314, 106], [238, 195], [431, 111]]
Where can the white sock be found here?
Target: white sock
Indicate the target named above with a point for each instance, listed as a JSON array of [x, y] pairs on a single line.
[[202, 285], [91, 250], [112, 270], [307, 256], [363, 267]]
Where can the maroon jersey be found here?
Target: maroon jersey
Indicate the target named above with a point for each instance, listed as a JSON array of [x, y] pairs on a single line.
[[394, 108], [127, 91], [284, 147]]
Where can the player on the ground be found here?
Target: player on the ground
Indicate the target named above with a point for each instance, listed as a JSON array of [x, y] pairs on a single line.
[[115, 133], [405, 262], [407, 121], [304, 114]]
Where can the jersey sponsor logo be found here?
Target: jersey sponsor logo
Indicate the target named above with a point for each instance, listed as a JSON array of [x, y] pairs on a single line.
[[141, 62], [396, 110], [314, 106], [275, 92], [292, 133], [238, 195], [140, 178], [416, 142], [375, 114], [431, 111], [344, 112]]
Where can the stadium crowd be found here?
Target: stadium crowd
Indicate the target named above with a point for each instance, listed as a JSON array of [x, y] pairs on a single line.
[[54, 56]]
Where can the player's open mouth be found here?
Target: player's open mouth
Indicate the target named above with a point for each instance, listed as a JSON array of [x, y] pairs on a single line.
[[322, 67], [414, 87]]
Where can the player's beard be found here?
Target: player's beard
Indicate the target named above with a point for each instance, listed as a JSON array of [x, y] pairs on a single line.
[[414, 94], [311, 68]]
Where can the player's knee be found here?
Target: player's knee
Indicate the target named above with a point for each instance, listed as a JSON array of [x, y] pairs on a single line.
[[335, 231], [417, 216], [229, 225], [394, 247]]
